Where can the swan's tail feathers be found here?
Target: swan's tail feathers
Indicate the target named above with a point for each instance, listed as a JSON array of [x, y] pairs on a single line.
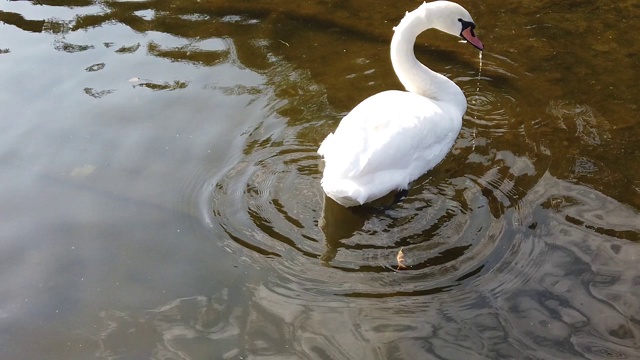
[[344, 192]]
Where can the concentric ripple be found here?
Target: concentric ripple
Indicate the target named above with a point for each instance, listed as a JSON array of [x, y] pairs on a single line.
[[265, 202], [455, 224], [493, 107], [447, 228], [489, 110]]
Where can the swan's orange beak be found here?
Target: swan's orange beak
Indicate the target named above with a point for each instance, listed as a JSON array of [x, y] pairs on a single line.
[[468, 35]]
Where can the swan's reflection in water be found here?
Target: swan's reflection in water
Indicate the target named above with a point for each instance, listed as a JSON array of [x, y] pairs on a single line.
[[338, 223]]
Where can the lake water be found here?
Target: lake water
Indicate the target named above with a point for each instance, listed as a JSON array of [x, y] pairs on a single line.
[[160, 196]]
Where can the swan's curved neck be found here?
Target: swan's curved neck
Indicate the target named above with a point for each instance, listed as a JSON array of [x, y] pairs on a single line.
[[416, 77]]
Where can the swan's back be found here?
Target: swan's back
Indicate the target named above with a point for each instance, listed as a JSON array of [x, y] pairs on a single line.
[[384, 143]]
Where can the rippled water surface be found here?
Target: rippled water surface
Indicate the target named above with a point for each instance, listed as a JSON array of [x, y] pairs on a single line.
[[160, 196]]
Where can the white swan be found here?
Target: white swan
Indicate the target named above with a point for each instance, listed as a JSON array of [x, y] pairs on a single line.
[[393, 137]]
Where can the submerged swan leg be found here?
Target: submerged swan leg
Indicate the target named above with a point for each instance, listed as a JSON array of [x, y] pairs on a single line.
[[400, 195]]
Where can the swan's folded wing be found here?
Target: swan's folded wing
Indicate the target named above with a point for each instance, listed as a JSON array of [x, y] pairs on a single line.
[[393, 133], [393, 129]]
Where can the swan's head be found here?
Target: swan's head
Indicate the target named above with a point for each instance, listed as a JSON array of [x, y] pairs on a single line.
[[453, 19]]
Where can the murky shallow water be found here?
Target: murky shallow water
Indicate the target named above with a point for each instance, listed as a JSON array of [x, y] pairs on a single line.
[[160, 188]]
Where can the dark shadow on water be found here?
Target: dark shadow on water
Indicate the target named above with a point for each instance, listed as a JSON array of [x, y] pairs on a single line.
[[339, 223]]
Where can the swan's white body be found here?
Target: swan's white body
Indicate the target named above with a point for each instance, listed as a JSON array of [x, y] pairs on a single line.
[[393, 137]]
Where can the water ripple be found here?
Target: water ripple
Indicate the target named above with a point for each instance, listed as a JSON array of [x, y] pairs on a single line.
[[489, 110], [450, 227]]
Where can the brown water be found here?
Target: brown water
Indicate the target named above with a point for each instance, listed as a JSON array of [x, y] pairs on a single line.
[[160, 198]]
